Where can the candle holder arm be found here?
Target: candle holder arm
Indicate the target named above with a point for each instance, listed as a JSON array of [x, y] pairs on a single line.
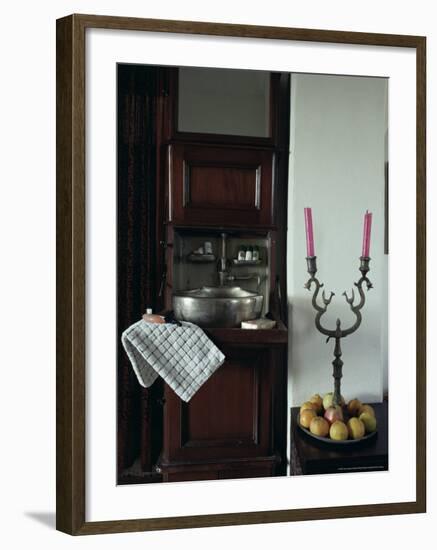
[[321, 309], [364, 268]]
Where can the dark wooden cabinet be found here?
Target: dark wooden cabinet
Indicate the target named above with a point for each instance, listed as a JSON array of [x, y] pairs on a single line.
[[221, 186], [229, 428], [174, 181]]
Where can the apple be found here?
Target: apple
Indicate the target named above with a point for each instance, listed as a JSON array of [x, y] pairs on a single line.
[[354, 406], [338, 431], [369, 422], [317, 400], [327, 400], [306, 416], [308, 405], [366, 408], [319, 426], [332, 414], [356, 428]]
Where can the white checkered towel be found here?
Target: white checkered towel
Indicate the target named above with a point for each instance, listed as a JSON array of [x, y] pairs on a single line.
[[184, 356]]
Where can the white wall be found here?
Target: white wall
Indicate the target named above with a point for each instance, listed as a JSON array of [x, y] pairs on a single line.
[[337, 158]]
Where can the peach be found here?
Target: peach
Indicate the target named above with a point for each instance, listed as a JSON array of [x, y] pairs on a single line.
[[354, 406], [369, 422], [308, 405], [356, 428], [306, 416], [319, 426], [366, 408], [317, 400], [338, 431]]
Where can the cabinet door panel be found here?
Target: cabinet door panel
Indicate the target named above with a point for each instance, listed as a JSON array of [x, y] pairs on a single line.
[[221, 186], [230, 415], [233, 187], [226, 411]]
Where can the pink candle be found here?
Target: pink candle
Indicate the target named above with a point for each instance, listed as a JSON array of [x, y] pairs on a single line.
[[366, 234], [309, 232]]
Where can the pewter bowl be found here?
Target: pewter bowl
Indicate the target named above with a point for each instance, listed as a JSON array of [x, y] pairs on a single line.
[[217, 306]]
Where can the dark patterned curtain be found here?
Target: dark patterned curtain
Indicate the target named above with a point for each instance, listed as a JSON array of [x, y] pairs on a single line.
[[136, 244]]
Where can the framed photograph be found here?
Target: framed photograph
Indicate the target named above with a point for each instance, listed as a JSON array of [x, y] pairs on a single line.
[[241, 274]]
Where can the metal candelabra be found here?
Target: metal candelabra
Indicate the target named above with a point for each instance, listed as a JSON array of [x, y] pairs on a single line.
[[338, 333]]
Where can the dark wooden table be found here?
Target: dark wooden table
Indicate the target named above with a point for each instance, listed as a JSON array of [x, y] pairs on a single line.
[[320, 458]]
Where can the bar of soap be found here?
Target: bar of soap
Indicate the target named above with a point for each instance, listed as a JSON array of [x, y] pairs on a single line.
[[153, 318], [258, 324]]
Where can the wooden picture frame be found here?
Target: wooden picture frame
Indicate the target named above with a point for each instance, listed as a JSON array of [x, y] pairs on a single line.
[[71, 246]]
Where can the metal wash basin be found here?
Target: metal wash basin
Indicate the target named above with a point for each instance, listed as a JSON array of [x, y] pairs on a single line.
[[217, 306]]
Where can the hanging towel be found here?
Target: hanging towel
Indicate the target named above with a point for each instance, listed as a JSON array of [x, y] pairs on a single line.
[[182, 355]]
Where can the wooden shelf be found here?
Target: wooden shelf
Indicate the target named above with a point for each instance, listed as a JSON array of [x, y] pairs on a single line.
[[254, 337], [201, 258], [239, 263]]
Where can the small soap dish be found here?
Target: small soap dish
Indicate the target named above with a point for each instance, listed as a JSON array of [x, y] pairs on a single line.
[[260, 324], [201, 258]]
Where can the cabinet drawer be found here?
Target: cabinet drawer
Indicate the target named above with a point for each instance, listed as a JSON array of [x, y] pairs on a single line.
[[221, 186], [191, 476], [267, 471]]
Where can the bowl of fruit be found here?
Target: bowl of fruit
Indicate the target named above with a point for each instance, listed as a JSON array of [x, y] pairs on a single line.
[[345, 424]]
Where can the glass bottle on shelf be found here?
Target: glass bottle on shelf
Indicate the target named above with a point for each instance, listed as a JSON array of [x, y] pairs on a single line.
[[241, 256], [255, 254]]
